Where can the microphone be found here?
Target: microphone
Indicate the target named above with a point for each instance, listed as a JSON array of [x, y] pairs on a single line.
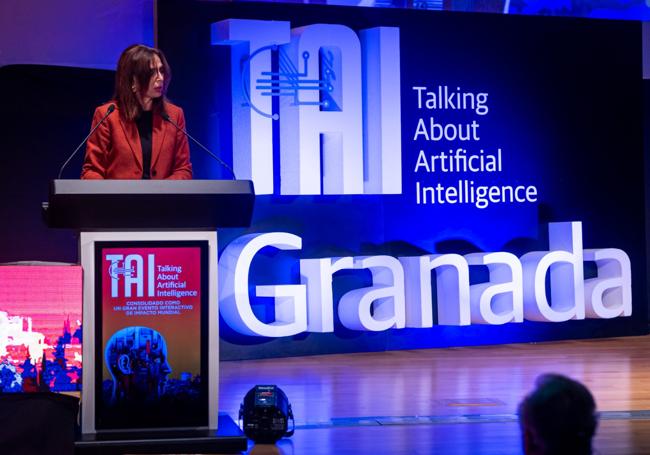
[[166, 118], [110, 110]]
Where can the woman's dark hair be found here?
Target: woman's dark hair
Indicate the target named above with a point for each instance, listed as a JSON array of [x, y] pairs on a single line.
[[134, 66]]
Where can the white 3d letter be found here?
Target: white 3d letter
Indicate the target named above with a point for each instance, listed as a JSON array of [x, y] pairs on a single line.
[[316, 274], [385, 297], [452, 281], [252, 134], [382, 138], [500, 300], [564, 260], [308, 131], [290, 300], [610, 294]]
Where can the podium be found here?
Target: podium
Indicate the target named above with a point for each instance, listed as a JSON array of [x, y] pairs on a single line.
[[148, 251]]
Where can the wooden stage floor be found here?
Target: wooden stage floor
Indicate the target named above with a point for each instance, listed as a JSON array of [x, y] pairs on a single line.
[[445, 401]]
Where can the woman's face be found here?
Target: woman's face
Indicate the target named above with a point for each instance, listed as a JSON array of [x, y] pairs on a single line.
[[156, 84], [157, 80]]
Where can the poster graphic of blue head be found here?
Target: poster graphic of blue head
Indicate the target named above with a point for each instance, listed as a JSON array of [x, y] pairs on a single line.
[[136, 358]]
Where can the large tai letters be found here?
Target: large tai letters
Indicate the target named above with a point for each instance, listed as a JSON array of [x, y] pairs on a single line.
[[338, 111]]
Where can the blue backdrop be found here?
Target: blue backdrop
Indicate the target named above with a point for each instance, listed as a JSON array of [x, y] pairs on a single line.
[[565, 107]]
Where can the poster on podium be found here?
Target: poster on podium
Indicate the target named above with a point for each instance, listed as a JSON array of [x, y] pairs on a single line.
[[151, 321]]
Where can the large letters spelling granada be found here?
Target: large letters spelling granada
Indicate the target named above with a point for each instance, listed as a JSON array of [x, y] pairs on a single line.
[[401, 291], [339, 99]]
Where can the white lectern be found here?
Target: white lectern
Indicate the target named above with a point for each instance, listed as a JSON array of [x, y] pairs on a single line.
[[148, 251]]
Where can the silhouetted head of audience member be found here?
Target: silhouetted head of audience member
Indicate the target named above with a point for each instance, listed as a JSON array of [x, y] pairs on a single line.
[[558, 417]]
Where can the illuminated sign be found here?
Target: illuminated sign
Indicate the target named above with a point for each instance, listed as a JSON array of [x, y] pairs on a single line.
[[339, 106], [406, 175], [401, 291]]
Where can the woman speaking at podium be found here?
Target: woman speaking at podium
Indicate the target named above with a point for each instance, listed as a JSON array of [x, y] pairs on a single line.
[[139, 135]]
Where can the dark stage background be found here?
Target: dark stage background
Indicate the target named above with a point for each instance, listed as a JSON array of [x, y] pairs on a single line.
[[566, 104]]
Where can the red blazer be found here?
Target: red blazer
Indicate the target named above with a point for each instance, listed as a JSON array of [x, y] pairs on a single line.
[[114, 150]]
